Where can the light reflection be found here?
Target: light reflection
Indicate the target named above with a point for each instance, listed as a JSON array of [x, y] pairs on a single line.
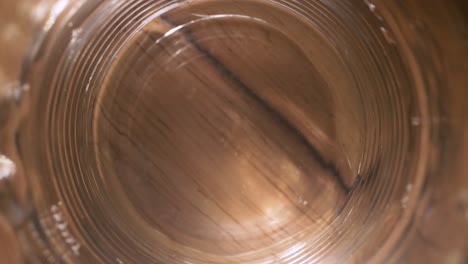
[[57, 9], [7, 167], [293, 251]]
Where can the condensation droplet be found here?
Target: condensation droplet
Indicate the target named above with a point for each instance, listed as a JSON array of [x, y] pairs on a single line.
[[404, 202], [54, 208], [56, 223], [415, 121], [388, 36], [302, 201], [371, 6], [62, 226], [409, 187], [70, 240], [76, 249], [65, 233], [405, 199], [19, 91], [57, 217], [7, 168], [76, 33]]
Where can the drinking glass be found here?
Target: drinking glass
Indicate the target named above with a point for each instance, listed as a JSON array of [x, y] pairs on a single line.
[[240, 131]]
